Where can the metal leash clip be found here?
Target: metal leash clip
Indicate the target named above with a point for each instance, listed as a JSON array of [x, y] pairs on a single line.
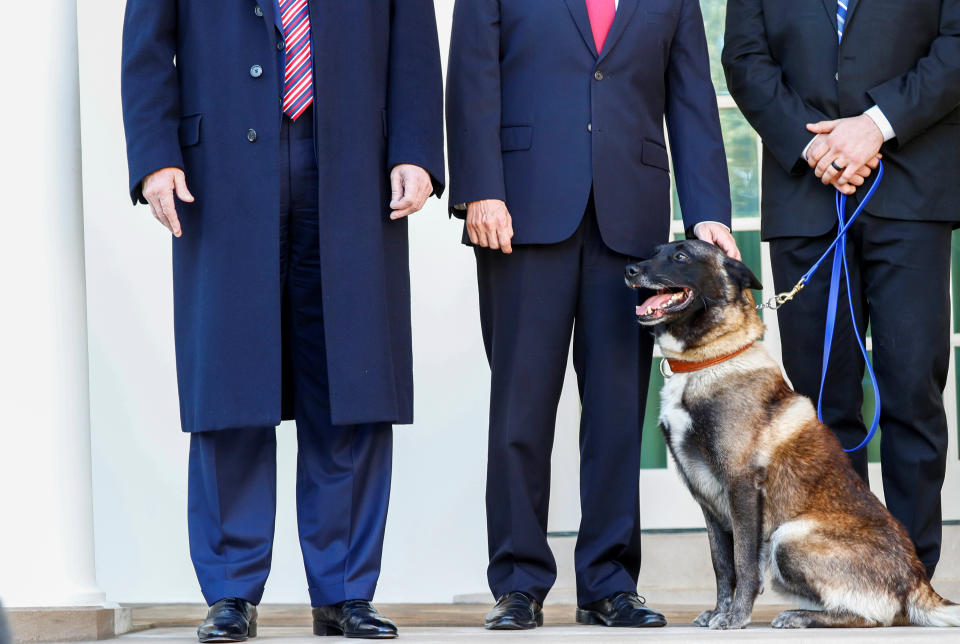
[[774, 303]]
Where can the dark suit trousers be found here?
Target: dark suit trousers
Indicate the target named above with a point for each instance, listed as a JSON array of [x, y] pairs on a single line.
[[900, 277], [530, 302], [343, 472]]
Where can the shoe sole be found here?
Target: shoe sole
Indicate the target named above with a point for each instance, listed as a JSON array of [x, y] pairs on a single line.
[[251, 633], [510, 625], [328, 630], [592, 618]]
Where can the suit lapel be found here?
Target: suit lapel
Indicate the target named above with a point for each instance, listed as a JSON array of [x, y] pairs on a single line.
[[578, 9], [624, 14], [851, 9], [831, 7]]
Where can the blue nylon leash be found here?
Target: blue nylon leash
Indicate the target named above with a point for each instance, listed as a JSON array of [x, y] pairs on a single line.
[[840, 268]]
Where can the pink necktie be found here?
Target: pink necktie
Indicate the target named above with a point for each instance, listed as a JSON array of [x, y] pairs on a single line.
[[601, 18], [298, 66]]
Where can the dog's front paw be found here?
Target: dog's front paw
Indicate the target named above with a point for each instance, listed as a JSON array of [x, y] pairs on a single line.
[[704, 618], [727, 622]]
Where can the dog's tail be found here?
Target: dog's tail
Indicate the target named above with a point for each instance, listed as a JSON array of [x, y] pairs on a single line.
[[926, 608]]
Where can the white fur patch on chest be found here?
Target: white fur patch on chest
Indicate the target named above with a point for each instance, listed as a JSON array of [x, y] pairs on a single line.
[[669, 344], [679, 424]]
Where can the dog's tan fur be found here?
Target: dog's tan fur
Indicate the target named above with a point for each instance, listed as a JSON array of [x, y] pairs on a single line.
[[775, 486]]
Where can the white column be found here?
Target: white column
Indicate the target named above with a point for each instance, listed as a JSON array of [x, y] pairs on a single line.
[[46, 504]]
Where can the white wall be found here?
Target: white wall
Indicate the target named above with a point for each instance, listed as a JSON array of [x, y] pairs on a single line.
[[436, 536]]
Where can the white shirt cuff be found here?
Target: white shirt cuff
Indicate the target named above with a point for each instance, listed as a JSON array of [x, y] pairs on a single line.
[[708, 222], [803, 155], [876, 115]]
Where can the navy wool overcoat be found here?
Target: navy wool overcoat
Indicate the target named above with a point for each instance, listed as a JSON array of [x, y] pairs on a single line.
[[201, 92]]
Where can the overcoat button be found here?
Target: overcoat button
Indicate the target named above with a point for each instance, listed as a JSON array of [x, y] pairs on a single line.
[[256, 71], [251, 135], [598, 75], [258, 12]]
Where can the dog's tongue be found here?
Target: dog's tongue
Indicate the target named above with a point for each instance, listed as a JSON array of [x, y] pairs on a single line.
[[655, 302]]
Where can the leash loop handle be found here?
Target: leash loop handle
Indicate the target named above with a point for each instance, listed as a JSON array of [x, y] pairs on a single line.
[[840, 268]]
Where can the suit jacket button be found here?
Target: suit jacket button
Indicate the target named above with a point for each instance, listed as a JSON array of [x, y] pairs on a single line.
[[251, 135], [258, 12], [589, 127], [598, 75], [256, 71], [280, 45], [836, 76]]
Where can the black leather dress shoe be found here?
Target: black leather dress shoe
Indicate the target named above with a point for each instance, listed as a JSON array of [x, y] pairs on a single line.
[[515, 611], [620, 609], [353, 618], [229, 620]]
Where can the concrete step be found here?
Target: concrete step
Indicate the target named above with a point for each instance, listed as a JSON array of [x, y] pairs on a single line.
[[757, 633], [677, 570]]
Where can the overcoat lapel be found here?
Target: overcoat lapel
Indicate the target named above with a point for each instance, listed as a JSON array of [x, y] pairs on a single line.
[[578, 9], [270, 17]]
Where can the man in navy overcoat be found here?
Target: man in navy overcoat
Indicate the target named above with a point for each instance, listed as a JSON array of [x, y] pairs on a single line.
[[283, 142], [559, 163]]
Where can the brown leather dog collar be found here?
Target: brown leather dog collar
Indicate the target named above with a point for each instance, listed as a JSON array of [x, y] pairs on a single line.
[[687, 366]]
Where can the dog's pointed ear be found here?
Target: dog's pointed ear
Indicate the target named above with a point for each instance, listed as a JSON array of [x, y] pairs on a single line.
[[741, 274]]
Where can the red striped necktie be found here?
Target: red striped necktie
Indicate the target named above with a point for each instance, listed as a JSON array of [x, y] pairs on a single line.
[[298, 66], [601, 14]]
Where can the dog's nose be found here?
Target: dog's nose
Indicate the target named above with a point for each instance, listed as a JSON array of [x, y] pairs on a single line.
[[633, 270]]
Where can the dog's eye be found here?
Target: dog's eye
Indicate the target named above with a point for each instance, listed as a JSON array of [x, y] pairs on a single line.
[[681, 256]]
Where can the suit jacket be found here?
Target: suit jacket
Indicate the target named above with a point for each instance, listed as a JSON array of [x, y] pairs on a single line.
[[536, 117], [785, 69], [201, 90]]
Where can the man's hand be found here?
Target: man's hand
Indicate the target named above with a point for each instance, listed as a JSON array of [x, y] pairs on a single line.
[[158, 189], [411, 187], [490, 225], [858, 178], [851, 143], [718, 234]]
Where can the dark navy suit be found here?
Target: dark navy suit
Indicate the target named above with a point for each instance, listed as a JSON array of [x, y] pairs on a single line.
[[574, 143], [291, 283], [786, 68]]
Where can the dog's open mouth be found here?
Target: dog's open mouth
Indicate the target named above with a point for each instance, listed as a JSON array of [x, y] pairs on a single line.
[[667, 300]]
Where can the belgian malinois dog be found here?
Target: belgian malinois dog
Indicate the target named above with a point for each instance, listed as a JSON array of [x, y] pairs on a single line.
[[775, 486]]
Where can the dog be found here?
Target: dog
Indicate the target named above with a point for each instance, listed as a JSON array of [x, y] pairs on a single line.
[[776, 489]]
